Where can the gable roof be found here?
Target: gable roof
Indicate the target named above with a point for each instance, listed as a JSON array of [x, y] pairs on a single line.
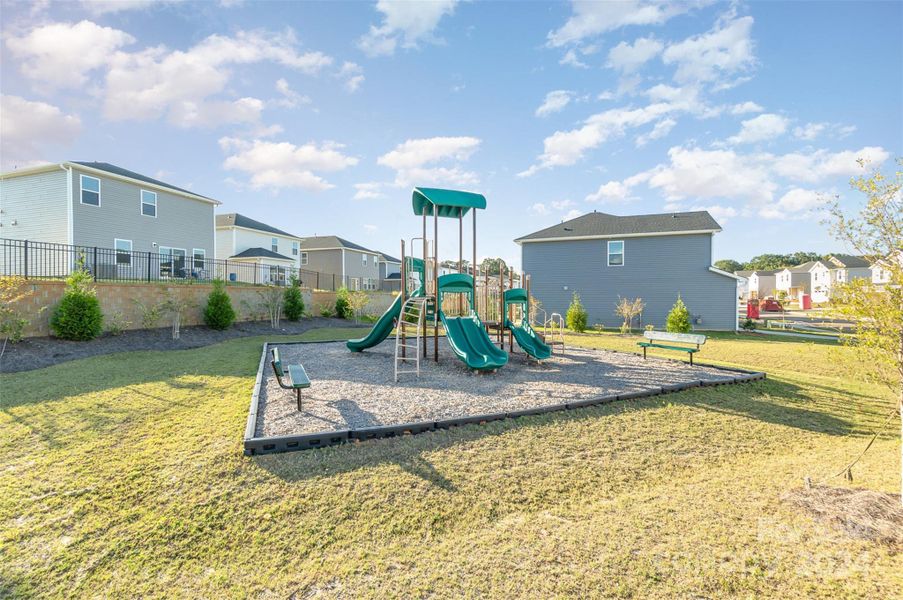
[[111, 169], [383, 257], [239, 220], [743, 273], [261, 253], [806, 266], [602, 225], [847, 261], [326, 242]]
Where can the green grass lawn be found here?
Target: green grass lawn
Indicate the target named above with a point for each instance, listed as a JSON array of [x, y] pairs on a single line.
[[123, 476]]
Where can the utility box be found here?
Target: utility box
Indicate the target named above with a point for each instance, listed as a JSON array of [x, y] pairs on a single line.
[[752, 309], [806, 302]]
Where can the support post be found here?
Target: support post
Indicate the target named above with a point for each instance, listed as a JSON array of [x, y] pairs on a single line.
[[436, 279], [474, 263], [25, 268], [510, 287], [404, 269], [426, 286], [94, 270]]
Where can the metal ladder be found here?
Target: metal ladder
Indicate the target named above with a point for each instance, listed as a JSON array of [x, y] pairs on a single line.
[[555, 325], [410, 321]]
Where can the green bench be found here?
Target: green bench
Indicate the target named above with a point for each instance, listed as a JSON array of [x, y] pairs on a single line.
[[297, 377], [655, 339]]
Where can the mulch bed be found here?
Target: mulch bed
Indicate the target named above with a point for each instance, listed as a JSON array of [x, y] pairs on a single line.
[[40, 352]]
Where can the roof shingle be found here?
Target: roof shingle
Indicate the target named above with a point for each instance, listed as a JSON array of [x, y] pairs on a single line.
[[239, 220], [596, 224]]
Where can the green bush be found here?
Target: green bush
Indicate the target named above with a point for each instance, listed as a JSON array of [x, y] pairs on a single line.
[[78, 316], [576, 316], [293, 303], [343, 308], [325, 310], [679, 318], [219, 314]]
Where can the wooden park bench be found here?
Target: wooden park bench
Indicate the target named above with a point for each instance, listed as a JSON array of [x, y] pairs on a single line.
[[297, 377], [654, 339]]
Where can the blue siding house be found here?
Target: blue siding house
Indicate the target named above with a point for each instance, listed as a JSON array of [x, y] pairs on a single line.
[[654, 257]]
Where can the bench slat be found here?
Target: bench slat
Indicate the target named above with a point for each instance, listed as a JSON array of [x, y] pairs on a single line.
[[298, 376], [651, 345], [667, 336]]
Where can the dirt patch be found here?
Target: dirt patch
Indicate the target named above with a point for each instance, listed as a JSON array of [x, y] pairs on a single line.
[[862, 514], [37, 353]]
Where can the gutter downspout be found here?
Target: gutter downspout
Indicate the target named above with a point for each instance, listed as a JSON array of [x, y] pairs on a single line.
[[70, 233]]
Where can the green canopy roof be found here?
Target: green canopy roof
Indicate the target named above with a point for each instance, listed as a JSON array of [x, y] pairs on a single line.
[[448, 203]]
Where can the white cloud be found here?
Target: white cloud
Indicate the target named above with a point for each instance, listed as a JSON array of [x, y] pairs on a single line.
[[661, 129], [628, 58], [411, 158], [606, 95], [370, 228], [745, 108], [723, 51], [618, 191], [555, 102], [406, 23], [278, 165], [61, 55], [539, 209], [570, 59], [760, 129], [720, 213], [371, 190], [26, 127], [562, 204], [572, 214], [821, 164], [103, 7], [353, 74], [591, 18], [157, 82], [811, 131], [290, 98]]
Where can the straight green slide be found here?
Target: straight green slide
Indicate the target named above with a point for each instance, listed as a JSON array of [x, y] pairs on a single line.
[[472, 344], [381, 329], [529, 341]]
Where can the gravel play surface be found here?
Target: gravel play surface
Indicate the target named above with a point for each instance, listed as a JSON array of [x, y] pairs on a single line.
[[354, 390]]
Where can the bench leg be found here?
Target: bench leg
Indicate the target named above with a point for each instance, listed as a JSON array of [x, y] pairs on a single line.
[[298, 394], [691, 361], [644, 352]]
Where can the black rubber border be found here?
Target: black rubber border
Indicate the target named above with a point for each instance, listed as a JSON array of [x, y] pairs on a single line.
[[254, 446]]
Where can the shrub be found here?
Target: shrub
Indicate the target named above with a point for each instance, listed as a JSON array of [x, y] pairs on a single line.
[[150, 314], [78, 316], [12, 325], [357, 301], [324, 310], [748, 325], [679, 318], [219, 314], [116, 322], [576, 316], [343, 308], [293, 302]]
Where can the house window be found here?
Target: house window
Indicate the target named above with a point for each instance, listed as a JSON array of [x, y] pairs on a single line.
[[274, 244], [616, 254], [200, 257], [172, 262], [364, 259], [304, 258], [123, 251], [148, 203], [295, 248], [90, 190], [355, 284]]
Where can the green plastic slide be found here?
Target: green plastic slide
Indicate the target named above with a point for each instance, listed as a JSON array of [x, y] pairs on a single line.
[[472, 344], [529, 341], [381, 329]]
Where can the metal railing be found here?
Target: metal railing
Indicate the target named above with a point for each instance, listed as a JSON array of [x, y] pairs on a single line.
[[47, 260]]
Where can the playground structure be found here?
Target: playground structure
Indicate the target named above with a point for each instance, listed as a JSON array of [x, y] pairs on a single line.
[[454, 301]]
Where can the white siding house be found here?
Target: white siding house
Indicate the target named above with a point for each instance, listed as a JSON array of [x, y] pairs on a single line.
[[276, 254]]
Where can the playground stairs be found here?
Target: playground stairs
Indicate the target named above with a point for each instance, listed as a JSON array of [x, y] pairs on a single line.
[[410, 333], [553, 331]]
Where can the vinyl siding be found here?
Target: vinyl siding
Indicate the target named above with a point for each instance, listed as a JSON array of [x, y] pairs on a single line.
[[180, 222], [324, 261], [655, 269], [245, 239], [354, 267], [39, 205]]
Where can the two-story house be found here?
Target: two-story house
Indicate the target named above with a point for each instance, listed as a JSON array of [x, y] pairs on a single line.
[[354, 266], [142, 227], [845, 268], [812, 278], [655, 257], [263, 253], [760, 283], [389, 272]]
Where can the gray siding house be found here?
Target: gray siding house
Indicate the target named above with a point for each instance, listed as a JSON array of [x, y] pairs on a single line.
[[654, 257], [354, 266], [389, 273], [94, 204]]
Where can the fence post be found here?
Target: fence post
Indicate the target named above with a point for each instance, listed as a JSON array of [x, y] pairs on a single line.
[[148, 267], [318, 280], [255, 272], [95, 264], [26, 259]]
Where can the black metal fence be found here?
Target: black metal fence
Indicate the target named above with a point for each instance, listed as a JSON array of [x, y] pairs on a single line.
[[45, 260]]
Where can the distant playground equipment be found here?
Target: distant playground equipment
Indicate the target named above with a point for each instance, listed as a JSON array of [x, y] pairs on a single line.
[[453, 301]]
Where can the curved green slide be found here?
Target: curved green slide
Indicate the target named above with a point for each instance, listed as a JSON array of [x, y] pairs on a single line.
[[472, 344], [381, 329], [523, 333]]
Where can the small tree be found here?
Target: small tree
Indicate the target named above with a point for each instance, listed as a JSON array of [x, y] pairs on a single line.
[[629, 310], [729, 265], [576, 316], [12, 325], [876, 232], [356, 303], [219, 314], [679, 318], [175, 307], [272, 299], [293, 301], [78, 316], [342, 304]]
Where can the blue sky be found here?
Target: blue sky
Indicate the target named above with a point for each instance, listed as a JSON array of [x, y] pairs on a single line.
[[320, 117]]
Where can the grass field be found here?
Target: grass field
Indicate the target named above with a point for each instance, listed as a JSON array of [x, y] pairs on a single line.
[[123, 476]]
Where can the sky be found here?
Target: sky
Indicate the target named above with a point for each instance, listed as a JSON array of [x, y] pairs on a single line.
[[319, 118]]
